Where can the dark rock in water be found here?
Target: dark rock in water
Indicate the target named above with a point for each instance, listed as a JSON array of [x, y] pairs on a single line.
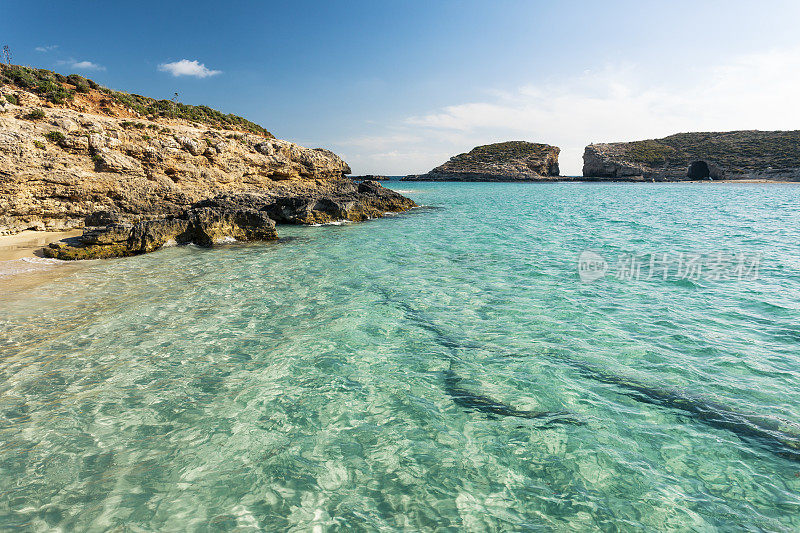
[[506, 161], [205, 226], [151, 235], [772, 155], [228, 217], [478, 402], [210, 226], [363, 201], [780, 436]]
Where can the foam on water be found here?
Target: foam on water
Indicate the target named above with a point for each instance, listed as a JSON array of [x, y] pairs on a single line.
[[301, 384], [27, 264]]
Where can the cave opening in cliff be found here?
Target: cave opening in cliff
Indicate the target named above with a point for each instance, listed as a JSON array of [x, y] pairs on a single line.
[[699, 171]]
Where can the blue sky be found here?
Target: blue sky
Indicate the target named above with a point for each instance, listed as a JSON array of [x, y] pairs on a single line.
[[399, 87]]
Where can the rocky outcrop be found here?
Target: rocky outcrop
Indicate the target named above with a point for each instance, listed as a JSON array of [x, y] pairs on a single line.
[[227, 218], [163, 178], [772, 155], [506, 161], [116, 236], [57, 170]]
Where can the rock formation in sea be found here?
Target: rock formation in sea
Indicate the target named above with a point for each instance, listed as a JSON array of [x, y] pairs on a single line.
[[505, 161], [773, 155], [70, 148]]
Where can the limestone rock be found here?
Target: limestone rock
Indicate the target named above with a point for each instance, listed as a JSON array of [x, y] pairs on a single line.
[[141, 182], [205, 226], [143, 172], [108, 161], [773, 155], [506, 161]]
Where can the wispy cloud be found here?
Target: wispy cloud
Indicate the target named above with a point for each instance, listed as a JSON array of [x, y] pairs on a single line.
[[614, 103], [184, 67], [82, 65], [45, 49]]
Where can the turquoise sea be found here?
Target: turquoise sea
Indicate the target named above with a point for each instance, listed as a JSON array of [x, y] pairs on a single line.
[[342, 378]]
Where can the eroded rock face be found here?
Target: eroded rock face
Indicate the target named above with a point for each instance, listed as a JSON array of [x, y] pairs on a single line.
[[57, 170], [773, 155], [205, 226], [506, 161], [225, 218]]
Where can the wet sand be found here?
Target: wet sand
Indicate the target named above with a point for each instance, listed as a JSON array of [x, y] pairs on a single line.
[[21, 265], [27, 243]]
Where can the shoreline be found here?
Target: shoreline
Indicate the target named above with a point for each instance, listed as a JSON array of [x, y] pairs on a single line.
[[22, 267]]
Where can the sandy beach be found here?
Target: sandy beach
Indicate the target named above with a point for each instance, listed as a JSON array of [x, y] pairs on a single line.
[[27, 243], [21, 267]]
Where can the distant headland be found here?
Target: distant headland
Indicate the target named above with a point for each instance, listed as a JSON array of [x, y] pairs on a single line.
[[733, 155], [505, 161]]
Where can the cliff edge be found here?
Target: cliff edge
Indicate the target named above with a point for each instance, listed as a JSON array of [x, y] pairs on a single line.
[[505, 161], [771, 155], [70, 148]]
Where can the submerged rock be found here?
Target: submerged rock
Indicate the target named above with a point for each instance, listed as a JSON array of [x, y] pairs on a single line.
[[225, 218], [506, 161], [773, 155]]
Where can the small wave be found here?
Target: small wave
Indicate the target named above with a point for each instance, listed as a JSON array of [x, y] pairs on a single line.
[[334, 223], [225, 240], [27, 264]]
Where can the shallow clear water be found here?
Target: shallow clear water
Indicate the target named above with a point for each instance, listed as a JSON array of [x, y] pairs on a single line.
[[301, 384]]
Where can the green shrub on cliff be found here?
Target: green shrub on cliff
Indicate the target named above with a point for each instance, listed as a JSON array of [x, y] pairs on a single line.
[[504, 151], [12, 99], [58, 89], [47, 84], [200, 113], [36, 114], [732, 151], [81, 84], [650, 152], [54, 137]]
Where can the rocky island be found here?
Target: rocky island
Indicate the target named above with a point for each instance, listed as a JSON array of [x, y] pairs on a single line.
[[505, 161], [733, 155], [138, 173]]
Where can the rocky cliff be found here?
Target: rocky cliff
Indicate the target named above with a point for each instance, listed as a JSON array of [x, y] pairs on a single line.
[[506, 161], [773, 155], [69, 150]]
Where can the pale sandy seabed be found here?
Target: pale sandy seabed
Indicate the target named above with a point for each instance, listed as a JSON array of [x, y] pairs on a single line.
[[22, 267]]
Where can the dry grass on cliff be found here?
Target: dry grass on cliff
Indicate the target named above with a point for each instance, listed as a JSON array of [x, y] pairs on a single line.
[[505, 151], [731, 150], [77, 92]]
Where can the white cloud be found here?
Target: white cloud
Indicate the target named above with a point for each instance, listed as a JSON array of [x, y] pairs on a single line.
[[184, 67], [48, 48], [615, 103], [82, 65], [87, 65]]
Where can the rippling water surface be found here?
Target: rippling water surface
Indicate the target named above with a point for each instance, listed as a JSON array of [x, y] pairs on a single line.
[[303, 384]]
